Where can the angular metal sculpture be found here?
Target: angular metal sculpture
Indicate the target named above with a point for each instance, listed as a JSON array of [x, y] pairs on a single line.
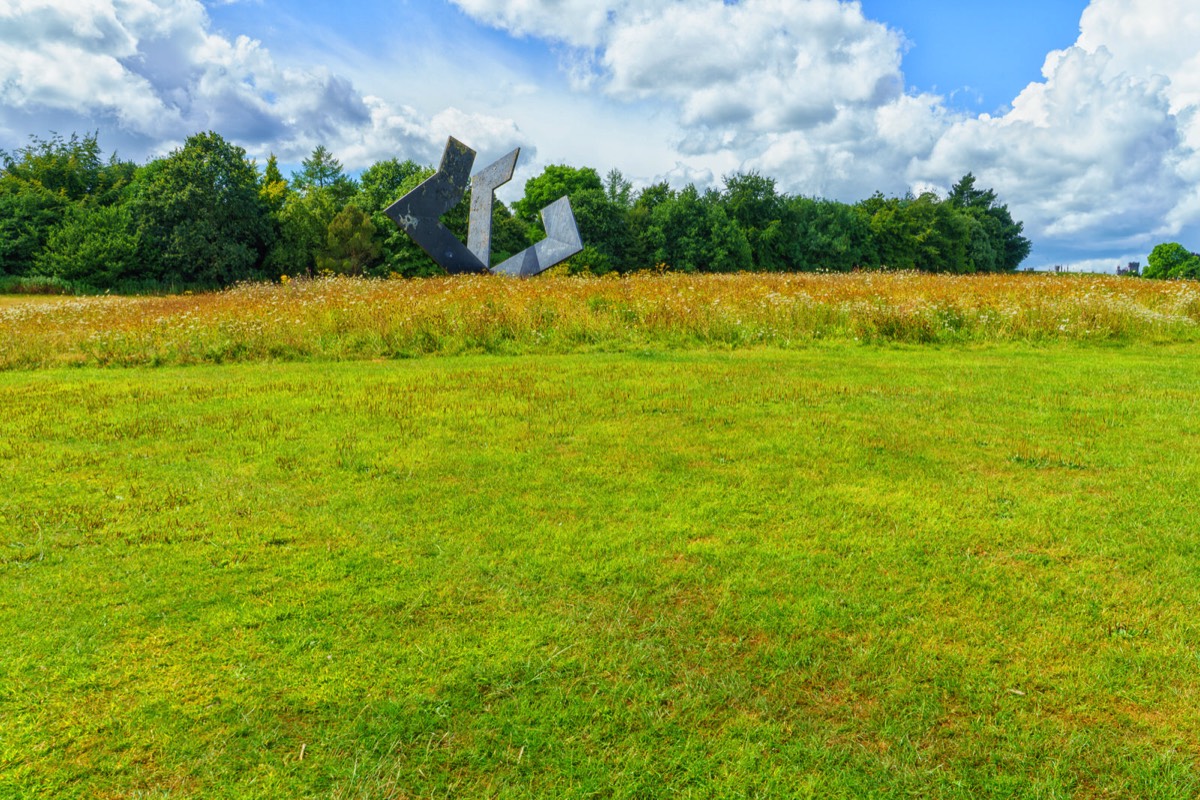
[[562, 241], [420, 211], [419, 214], [483, 195]]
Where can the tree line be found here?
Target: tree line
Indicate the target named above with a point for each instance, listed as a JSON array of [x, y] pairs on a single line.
[[206, 216]]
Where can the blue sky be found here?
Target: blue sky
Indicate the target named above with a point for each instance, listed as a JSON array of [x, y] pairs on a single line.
[[980, 53], [1084, 116]]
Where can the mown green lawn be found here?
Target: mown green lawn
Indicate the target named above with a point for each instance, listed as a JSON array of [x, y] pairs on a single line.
[[834, 572]]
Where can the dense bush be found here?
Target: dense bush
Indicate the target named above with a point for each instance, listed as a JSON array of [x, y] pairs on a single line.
[[33, 284], [1172, 260], [94, 246]]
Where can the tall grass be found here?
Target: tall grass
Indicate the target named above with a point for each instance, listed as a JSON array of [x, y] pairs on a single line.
[[36, 285], [344, 318]]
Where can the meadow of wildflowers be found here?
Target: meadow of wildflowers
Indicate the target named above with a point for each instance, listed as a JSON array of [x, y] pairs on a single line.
[[347, 318]]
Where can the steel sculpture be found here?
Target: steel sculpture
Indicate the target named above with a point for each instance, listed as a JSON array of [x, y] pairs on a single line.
[[420, 211], [562, 241], [419, 215], [483, 194]]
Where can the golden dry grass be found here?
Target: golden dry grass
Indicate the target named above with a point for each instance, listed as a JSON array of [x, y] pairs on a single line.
[[7, 300], [346, 318]]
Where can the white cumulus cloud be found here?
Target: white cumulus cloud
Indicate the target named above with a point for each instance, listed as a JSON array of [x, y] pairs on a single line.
[[811, 91], [148, 73], [1101, 156], [1102, 153]]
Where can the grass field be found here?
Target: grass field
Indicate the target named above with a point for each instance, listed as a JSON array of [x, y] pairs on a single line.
[[343, 318], [830, 570]]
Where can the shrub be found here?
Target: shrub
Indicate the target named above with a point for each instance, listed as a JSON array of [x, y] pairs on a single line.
[[1172, 260], [95, 245], [34, 284]]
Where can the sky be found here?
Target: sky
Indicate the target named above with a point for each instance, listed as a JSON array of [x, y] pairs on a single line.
[[1083, 116]]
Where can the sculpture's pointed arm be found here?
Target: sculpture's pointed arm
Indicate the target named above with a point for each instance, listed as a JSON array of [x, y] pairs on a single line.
[[483, 195], [562, 241], [419, 212]]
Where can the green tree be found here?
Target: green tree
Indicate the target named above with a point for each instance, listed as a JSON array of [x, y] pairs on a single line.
[[382, 183], [601, 211], [302, 228], [893, 238], [643, 234], [71, 168], [730, 251], [618, 190], [322, 171], [942, 235], [509, 234], [276, 196], [589, 261], [555, 181], [826, 235], [997, 243], [95, 245], [40, 182], [654, 195], [603, 227], [271, 173], [273, 189], [692, 233], [918, 233], [200, 216], [28, 212], [757, 208], [1172, 260], [351, 247]]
